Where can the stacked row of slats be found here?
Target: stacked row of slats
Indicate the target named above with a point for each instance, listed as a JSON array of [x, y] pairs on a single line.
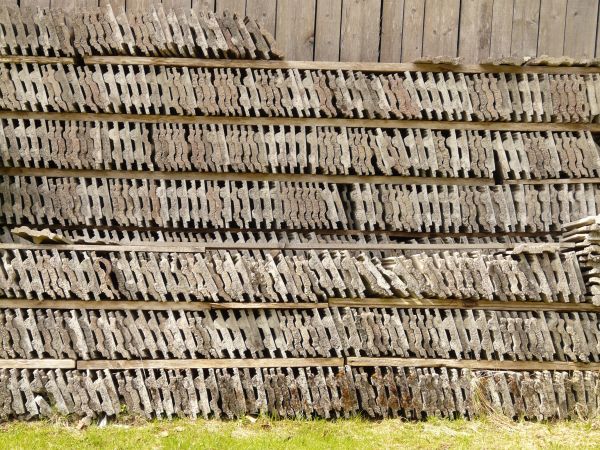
[[290, 286]]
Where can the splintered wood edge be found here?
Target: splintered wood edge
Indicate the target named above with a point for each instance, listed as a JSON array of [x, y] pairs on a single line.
[[242, 176], [303, 121], [400, 303], [335, 65]]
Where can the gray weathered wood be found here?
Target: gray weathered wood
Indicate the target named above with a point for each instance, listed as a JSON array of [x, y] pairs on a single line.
[[580, 29], [359, 40], [525, 27], [392, 18], [475, 29], [552, 27], [295, 31], [327, 32], [440, 29]]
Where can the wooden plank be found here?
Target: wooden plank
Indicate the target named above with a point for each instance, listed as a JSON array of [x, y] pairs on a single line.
[[320, 246], [45, 363], [173, 4], [264, 11], [580, 28], [392, 18], [209, 363], [376, 67], [327, 30], [237, 6], [203, 5], [137, 305], [295, 30], [593, 180], [159, 247], [524, 37], [412, 29], [487, 305], [502, 23], [25, 59], [470, 364], [139, 5], [116, 5], [268, 305], [288, 121], [70, 5], [241, 176], [359, 40], [38, 3], [440, 32], [475, 30], [552, 27]]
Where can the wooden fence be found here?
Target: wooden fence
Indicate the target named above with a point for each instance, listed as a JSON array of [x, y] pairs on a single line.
[[403, 30]]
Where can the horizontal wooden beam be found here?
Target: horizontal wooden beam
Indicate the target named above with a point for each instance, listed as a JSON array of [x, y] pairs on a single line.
[[27, 59], [242, 176], [588, 180], [336, 65], [492, 305], [400, 303], [156, 247], [470, 364], [304, 121], [150, 305], [268, 305], [193, 247], [37, 363], [360, 361], [209, 363]]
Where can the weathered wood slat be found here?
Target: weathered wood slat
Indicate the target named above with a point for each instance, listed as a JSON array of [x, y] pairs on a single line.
[[552, 27], [209, 363], [46, 363], [304, 121], [381, 67], [487, 305], [327, 30], [470, 364], [237, 176]]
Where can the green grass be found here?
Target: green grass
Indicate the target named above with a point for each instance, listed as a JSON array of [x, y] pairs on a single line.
[[307, 434]]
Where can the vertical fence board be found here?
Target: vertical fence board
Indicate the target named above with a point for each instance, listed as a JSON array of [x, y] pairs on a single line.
[[263, 11], [328, 28], [412, 29], [526, 16], [440, 33], [392, 17], [580, 28], [237, 6], [296, 28], [502, 22], [174, 4], [475, 29], [552, 27], [203, 5], [69, 5], [359, 40], [116, 5]]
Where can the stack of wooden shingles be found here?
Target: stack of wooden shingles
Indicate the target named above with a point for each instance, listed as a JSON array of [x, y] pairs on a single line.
[[266, 320]]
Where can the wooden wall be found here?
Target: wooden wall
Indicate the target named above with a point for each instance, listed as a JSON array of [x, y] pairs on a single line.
[[402, 30]]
